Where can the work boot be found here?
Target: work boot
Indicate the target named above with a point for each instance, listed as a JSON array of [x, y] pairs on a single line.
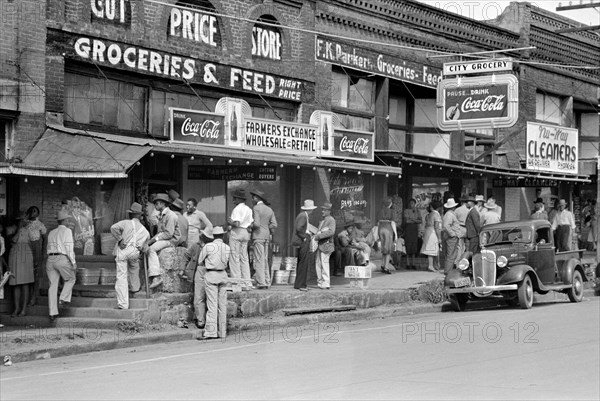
[[156, 281]]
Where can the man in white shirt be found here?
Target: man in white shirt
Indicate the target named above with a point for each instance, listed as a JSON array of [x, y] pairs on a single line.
[[61, 263], [241, 225], [197, 221], [563, 224], [131, 236]]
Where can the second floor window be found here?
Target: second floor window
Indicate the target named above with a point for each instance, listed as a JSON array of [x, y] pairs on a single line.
[[553, 109]]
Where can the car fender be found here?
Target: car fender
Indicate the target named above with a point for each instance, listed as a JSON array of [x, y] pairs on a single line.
[[516, 274], [452, 275], [568, 268]]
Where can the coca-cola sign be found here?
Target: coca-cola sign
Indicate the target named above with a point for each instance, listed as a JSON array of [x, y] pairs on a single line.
[[353, 145], [478, 102], [197, 127]]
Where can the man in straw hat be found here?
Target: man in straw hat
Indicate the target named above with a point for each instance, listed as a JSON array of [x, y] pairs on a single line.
[[303, 232], [563, 224], [241, 226], [324, 238], [490, 215], [61, 263], [214, 256], [131, 236], [262, 229], [168, 234], [452, 231]]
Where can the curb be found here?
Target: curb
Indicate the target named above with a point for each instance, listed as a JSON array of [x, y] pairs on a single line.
[[252, 329]]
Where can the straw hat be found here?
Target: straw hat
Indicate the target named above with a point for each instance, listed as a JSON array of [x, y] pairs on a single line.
[[479, 198], [207, 234], [450, 204], [178, 204], [562, 203], [260, 194], [173, 194], [490, 204], [62, 215], [309, 204], [218, 230]]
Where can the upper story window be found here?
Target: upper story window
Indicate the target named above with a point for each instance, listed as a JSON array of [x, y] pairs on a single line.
[[353, 92], [105, 102], [553, 109]]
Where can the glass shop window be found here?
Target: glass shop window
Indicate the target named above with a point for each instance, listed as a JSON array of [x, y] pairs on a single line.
[[352, 92]]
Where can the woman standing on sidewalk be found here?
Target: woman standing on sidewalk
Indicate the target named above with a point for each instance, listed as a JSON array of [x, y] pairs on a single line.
[[432, 238], [20, 264], [37, 236], [413, 221]]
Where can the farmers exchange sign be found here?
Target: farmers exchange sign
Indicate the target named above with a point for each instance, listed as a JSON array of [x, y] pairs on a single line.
[[552, 148]]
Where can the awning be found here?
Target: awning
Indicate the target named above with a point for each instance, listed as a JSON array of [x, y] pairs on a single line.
[[416, 161], [63, 152]]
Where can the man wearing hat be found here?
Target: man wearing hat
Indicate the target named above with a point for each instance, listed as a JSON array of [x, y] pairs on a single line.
[[452, 231], [491, 215], [168, 234], [473, 226], [262, 228], [197, 221], [563, 224], [214, 256], [539, 213], [131, 236], [241, 226], [324, 238], [60, 263], [353, 247], [303, 232], [199, 274], [177, 207]]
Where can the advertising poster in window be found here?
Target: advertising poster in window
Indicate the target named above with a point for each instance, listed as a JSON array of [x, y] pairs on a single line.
[[552, 148], [347, 195]]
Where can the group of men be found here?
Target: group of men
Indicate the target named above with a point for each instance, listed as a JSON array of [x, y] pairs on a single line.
[[192, 230], [562, 219]]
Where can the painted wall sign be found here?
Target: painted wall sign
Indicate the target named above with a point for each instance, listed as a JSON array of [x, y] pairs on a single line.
[[524, 182], [280, 137], [114, 11], [158, 63], [552, 148], [196, 26], [477, 67], [478, 102], [359, 58], [266, 42], [196, 127], [232, 173], [351, 145]]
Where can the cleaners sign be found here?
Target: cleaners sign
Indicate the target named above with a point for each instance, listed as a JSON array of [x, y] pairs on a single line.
[[552, 148], [280, 137]]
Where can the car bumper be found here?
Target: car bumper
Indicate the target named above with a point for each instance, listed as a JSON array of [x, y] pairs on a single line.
[[489, 288]]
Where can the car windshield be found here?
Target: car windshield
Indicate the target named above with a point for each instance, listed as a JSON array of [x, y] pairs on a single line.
[[506, 235]]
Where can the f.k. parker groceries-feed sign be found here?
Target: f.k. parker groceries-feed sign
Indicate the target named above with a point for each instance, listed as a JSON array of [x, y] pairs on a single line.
[[552, 148]]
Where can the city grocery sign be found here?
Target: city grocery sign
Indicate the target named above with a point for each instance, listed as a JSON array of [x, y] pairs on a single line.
[[478, 102], [359, 58], [552, 148]]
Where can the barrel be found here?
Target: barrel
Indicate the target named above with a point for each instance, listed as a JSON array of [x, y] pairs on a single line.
[[292, 278], [281, 277], [108, 276], [289, 263]]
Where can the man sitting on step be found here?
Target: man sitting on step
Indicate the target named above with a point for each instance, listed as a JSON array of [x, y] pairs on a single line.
[[131, 236]]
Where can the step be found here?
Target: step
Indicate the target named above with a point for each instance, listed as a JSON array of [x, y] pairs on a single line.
[[93, 291], [97, 265], [89, 312], [44, 321], [134, 303]]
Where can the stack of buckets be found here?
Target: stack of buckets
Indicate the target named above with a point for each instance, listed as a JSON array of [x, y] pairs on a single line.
[[286, 273]]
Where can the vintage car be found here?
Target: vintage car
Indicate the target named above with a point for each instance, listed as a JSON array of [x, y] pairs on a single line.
[[517, 259]]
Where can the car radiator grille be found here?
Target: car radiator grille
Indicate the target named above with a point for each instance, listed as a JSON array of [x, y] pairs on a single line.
[[484, 268]]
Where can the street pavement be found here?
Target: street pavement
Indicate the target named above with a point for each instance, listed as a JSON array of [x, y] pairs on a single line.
[[551, 351]]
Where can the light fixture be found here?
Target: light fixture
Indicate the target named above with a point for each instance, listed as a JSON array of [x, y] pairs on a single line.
[[314, 168], [440, 167], [344, 171], [151, 154], [410, 164], [373, 174], [211, 159], [358, 173], [399, 176], [329, 169], [101, 182], [265, 164], [247, 162], [138, 163], [298, 167], [25, 179], [172, 156], [77, 182], [192, 158], [386, 175], [281, 165], [229, 161], [51, 181], [430, 166]]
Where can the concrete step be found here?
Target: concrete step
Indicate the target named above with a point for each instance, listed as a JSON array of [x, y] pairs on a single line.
[[98, 265], [91, 291], [44, 321], [134, 303], [89, 312]]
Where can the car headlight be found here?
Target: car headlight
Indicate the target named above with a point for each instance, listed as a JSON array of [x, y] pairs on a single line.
[[502, 261], [463, 264]]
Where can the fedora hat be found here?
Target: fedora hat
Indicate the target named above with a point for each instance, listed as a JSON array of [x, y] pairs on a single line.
[[562, 202], [239, 193], [349, 223], [479, 198], [62, 215], [467, 197], [450, 203], [161, 197], [178, 204], [260, 194], [218, 230], [207, 233], [539, 200], [327, 206], [309, 204], [135, 208], [173, 194]]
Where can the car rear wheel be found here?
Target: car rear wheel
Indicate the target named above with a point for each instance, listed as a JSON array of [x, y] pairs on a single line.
[[576, 291], [458, 301], [525, 293]]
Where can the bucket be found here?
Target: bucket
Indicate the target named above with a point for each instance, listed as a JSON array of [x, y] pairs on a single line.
[[281, 277], [292, 278], [107, 243], [289, 263], [108, 276]]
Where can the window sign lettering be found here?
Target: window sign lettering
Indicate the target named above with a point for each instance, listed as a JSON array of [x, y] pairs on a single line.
[[266, 42], [116, 11]]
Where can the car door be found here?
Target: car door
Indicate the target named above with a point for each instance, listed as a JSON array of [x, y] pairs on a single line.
[[541, 257]]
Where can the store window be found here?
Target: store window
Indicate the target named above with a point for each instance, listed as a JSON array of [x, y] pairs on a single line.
[[553, 109], [589, 131], [6, 137], [161, 101], [397, 121], [353, 100], [99, 101]]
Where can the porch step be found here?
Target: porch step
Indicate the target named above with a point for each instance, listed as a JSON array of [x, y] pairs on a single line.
[[134, 303], [80, 322], [89, 312], [96, 291]]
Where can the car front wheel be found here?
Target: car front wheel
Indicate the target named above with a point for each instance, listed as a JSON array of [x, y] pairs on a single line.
[[576, 291], [525, 293]]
